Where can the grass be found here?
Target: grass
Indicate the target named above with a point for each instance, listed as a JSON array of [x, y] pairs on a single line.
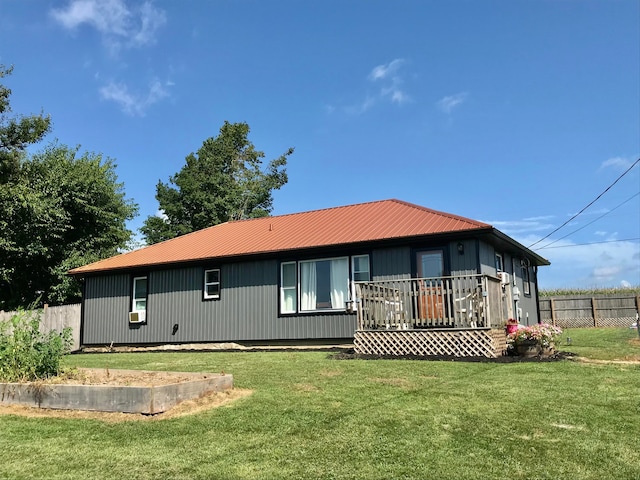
[[314, 417]]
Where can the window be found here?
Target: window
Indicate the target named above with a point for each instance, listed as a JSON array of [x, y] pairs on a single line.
[[360, 267], [499, 263], [288, 288], [430, 264], [321, 284], [212, 284], [324, 284], [526, 281], [139, 295]]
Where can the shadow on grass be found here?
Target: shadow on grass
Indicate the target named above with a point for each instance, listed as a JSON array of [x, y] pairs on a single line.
[[558, 356]]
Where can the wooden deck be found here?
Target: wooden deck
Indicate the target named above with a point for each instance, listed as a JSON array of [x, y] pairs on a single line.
[[458, 316]]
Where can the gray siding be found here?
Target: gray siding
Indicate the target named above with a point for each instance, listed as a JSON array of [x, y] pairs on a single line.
[[465, 263], [248, 307], [391, 263], [246, 311]]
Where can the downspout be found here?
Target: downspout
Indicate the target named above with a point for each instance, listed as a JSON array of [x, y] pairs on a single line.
[[535, 272]]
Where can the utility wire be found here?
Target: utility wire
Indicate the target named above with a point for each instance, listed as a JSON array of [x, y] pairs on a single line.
[[593, 243], [591, 203], [592, 221]]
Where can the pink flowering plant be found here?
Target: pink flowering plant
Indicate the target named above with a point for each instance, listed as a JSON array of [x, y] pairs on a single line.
[[542, 334]]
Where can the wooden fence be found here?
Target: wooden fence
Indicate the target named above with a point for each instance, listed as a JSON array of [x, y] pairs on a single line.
[[57, 318], [590, 310]]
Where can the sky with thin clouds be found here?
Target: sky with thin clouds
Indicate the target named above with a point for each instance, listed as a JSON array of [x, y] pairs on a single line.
[[517, 114]]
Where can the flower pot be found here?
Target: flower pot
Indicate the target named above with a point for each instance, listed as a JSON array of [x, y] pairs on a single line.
[[512, 328], [528, 349], [547, 351]]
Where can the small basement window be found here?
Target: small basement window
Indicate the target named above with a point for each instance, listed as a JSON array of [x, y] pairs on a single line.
[[211, 289]]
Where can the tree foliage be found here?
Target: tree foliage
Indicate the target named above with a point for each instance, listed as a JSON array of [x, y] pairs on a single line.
[[16, 133], [222, 181], [61, 210]]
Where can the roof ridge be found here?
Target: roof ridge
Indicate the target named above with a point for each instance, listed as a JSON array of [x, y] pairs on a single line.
[[338, 207], [444, 214]]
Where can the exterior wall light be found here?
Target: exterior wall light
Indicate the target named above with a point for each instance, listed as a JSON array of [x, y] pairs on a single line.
[[461, 248]]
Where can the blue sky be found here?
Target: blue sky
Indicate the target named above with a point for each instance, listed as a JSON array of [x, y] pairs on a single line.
[[517, 113]]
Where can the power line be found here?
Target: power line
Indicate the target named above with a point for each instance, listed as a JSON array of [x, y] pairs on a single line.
[[585, 226], [591, 203], [592, 243]]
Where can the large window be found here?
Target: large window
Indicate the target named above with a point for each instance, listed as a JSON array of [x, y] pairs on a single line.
[[211, 284], [320, 284], [139, 294]]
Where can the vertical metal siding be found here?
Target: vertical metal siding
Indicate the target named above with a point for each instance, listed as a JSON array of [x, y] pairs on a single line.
[[391, 263], [106, 309], [247, 309], [488, 259], [464, 264]]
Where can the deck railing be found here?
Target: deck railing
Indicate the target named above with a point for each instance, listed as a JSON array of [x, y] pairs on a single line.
[[468, 301]]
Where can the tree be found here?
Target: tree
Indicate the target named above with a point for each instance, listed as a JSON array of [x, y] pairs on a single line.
[[16, 133], [223, 181], [61, 210]]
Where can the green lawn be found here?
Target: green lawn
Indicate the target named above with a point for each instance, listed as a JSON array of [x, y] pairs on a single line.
[[314, 417]]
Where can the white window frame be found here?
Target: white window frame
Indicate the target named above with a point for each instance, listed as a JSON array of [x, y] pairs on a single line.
[[287, 288], [354, 272], [206, 284], [349, 292], [134, 299], [526, 281], [499, 257]]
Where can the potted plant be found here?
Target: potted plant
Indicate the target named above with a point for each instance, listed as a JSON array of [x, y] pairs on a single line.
[[534, 340]]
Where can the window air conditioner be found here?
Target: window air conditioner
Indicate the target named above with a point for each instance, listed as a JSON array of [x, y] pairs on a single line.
[[137, 317], [504, 278]]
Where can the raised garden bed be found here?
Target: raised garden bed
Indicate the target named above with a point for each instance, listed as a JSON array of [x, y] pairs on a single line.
[[127, 391]]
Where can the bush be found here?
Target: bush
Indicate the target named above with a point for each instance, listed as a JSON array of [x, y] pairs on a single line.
[[26, 354]]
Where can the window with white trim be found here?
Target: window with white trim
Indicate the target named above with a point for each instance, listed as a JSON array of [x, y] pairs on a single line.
[[211, 289], [320, 284], [360, 268], [288, 288], [526, 281], [499, 263], [139, 294]]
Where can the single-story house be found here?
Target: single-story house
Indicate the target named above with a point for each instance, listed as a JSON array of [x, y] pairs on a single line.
[[322, 276]]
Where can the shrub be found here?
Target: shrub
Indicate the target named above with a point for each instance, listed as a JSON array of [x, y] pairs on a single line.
[[26, 354]]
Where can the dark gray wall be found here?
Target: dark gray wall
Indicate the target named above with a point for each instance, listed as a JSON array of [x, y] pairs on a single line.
[[247, 309]]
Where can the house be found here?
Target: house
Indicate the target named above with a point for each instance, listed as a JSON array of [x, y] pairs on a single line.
[[324, 275]]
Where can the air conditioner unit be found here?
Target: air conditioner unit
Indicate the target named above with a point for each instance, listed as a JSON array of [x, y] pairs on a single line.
[[504, 278], [137, 317]]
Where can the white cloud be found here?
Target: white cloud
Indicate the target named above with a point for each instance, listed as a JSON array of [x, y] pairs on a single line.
[[513, 227], [119, 25], [447, 104], [588, 266], [385, 71], [387, 84], [618, 163], [130, 103]]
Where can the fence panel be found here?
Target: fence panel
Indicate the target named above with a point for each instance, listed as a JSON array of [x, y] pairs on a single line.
[[57, 318], [590, 310]]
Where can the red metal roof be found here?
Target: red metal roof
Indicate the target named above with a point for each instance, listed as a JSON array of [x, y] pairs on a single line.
[[382, 220]]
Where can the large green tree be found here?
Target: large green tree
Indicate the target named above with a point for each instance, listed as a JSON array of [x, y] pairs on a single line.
[[224, 180], [16, 133], [60, 210]]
